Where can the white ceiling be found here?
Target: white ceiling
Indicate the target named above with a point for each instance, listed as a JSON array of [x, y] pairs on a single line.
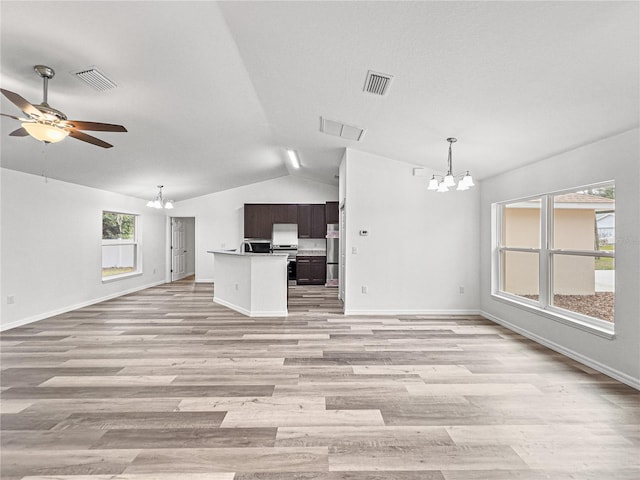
[[212, 93]]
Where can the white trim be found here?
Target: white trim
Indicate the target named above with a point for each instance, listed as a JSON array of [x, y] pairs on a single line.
[[411, 312], [585, 325], [600, 367], [59, 311], [204, 280], [244, 311], [112, 278]]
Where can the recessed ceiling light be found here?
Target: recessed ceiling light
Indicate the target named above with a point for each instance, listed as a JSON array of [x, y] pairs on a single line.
[[293, 156]]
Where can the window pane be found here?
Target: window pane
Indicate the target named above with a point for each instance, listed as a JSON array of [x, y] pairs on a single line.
[[584, 220], [584, 285], [521, 224], [118, 259], [118, 226], [521, 273]]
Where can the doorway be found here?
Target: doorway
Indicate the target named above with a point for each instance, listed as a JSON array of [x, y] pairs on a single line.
[[183, 247]]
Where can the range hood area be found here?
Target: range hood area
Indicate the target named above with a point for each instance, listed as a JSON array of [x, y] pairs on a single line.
[[284, 235]]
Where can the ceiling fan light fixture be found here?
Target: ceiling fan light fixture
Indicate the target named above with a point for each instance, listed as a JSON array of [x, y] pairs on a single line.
[[44, 132]]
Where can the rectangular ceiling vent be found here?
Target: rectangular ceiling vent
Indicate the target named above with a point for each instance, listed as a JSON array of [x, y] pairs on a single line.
[[95, 79], [339, 129], [377, 83]]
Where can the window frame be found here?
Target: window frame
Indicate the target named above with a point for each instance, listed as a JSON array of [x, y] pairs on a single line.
[[122, 242], [546, 251]]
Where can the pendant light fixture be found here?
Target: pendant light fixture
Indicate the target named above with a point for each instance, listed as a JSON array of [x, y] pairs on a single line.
[[441, 183], [159, 202]]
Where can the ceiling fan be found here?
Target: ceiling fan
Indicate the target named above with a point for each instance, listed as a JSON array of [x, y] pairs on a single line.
[[49, 125]]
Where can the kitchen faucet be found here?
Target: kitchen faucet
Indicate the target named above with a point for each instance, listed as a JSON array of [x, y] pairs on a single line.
[[244, 242]]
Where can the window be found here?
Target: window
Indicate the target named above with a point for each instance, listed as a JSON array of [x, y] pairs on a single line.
[[120, 248], [556, 252]]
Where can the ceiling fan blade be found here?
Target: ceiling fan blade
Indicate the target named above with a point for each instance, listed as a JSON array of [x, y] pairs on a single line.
[[21, 103], [100, 127], [88, 138], [10, 116], [21, 132]]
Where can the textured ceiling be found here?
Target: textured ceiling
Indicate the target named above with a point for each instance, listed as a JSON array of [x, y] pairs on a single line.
[[213, 93]]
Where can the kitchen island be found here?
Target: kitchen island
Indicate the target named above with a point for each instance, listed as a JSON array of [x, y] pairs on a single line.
[[254, 284]]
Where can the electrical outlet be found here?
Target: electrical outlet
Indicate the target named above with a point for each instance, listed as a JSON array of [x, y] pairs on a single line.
[[154, 271], [364, 289], [237, 286], [461, 289], [223, 245], [11, 299], [354, 250]]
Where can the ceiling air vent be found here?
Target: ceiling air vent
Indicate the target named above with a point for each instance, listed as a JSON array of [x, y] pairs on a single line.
[[377, 83], [339, 129], [95, 78]]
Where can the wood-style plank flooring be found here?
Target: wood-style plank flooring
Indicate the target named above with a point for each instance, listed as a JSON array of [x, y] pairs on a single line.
[[164, 384]]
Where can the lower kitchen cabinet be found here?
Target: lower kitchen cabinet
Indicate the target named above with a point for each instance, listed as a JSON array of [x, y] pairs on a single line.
[[311, 270]]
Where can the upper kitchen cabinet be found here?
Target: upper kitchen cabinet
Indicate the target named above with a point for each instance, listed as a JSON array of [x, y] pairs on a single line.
[[284, 213], [257, 220], [311, 221], [332, 212]]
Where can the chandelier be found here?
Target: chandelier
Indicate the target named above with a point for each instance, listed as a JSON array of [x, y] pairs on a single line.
[[159, 202], [441, 183]]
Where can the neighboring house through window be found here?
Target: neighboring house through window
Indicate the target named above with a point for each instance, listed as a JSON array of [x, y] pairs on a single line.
[[556, 252]]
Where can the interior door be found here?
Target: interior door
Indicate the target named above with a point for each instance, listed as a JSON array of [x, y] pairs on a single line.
[[178, 250]]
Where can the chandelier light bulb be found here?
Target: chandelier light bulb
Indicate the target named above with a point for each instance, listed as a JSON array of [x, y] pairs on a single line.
[[468, 180], [433, 183], [449, 181], [442, 187]]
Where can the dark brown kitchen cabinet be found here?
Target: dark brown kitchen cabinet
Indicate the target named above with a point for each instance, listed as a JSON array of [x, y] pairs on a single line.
[[311, 221], [284, 213], [332, 212], [318, 222], [311, 270], [257, 220], [260, 217]]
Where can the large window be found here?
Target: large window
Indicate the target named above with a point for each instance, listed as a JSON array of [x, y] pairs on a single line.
[[556, 252], [120, 249]]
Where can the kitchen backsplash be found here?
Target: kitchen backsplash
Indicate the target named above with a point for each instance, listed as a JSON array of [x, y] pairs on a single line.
[[312, 244]]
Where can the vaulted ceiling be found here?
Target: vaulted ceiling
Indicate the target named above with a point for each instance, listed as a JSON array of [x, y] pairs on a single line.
[[213, 93]]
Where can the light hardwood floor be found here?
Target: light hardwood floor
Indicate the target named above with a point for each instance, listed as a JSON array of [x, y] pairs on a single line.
[[164, 384]]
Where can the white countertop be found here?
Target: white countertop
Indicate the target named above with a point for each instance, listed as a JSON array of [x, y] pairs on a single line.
[[248, 254]]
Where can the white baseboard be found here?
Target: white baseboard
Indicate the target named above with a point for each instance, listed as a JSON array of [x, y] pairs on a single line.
[[59, 311], [248, 313], [410, 312], [589, 362], [204, 280]]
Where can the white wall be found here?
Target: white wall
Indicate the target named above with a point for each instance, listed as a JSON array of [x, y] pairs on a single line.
[[219, 216], [51, 246], [616, 158], [421, 248]]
